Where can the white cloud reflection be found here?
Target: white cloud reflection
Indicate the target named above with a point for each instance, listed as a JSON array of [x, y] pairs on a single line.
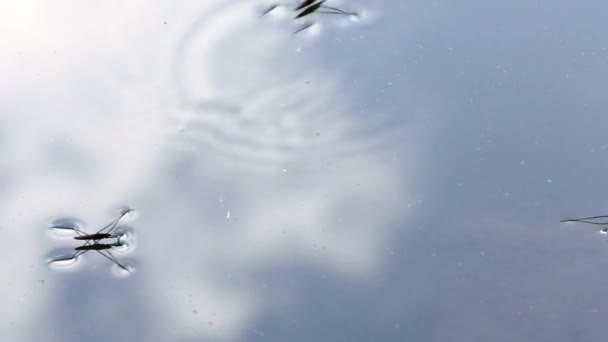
[[188, 112]]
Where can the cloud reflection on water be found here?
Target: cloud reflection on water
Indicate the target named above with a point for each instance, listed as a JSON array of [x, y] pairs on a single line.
[[271, 137], [254, 92], [260, 129]]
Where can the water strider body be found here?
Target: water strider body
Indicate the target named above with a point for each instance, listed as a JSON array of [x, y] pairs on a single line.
[[98, 236], [307, 7], [92, 241]]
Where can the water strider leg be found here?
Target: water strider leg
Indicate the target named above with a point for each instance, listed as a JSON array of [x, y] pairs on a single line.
[[586, 220], [112, 225], [304, 27], [336, 10], [113, 259]]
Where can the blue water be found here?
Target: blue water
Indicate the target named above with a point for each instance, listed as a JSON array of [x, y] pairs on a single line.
[[397, 175]]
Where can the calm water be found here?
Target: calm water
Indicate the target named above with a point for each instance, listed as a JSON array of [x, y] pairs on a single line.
[[394, 176]]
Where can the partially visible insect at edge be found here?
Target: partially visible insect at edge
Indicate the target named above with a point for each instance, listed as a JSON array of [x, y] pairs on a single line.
[[92, 241], [308, 7], [590, 220]]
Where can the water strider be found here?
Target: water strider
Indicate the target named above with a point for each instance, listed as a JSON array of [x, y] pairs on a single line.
[[591, 220], [307, 7], [95, 241]]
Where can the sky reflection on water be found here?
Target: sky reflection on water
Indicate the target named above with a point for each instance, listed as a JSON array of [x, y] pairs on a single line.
[[399, 177], [228, 197]]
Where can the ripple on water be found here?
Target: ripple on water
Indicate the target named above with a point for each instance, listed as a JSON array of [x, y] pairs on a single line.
[[282, 102], [124, 270], [127, 240], [66, 226], [63, 260]]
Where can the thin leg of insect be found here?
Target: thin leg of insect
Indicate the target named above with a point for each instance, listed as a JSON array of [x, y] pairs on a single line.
[[335, 10], [339, 13], [63, 258], [72, 257], [111, 257], [587, 220], [113, 224], [269, 9], [80, 232], [304, 27], [73, 228]]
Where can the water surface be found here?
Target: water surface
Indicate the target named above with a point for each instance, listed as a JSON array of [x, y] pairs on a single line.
[[401, 176]]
